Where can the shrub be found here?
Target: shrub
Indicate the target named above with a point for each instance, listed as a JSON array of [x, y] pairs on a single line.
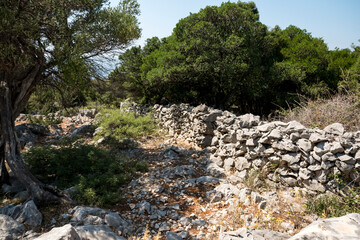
[[118, 127], [96, 173], [336, 206], [342, 108], [333, 206], [49, 119]]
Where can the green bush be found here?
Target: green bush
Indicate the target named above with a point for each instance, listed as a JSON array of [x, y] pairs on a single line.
[[118, 127], [49, 119], [96, 173], [335, 206]]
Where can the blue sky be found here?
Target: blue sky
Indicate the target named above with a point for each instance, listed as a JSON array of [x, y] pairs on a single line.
[[336, 21]]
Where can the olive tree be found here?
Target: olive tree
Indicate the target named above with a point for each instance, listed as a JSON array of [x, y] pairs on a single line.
[[54, 41]]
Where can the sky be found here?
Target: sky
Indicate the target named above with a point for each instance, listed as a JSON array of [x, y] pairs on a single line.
[[335, 21]]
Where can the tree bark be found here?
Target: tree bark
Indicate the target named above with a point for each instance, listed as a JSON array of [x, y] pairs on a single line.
[[4, 175], [12, 102]]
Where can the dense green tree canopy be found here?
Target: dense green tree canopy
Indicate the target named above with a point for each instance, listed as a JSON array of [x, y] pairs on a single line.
[[57, 41], [224, 57], [219, 56]]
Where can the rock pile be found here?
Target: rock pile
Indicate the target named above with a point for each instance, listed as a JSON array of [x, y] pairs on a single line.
[[288, 153], [188, 193]]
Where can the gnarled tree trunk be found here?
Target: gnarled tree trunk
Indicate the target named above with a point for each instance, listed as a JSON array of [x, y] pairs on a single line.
[[15, 91]]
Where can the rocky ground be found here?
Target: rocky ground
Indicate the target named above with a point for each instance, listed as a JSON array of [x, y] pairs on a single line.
[[177, 198]]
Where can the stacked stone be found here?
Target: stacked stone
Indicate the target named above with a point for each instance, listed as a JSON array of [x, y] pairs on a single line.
[[195, 125], [288, 153]]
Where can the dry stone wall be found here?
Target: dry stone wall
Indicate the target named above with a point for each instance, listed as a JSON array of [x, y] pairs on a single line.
[[288, 153]]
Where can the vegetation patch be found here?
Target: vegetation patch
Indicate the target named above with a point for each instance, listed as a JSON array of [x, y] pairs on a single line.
[[328, 206], [49, 119], [97, 173], [118, 128], [342, 108]]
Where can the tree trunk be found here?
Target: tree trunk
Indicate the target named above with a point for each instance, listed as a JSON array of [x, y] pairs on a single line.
[[4, 175], [13, 97]]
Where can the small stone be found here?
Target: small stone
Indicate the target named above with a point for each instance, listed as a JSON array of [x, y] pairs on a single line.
[[164, 227], [262, 205], [314, 185], [336, 148], [315, 138], [304, 145], [291, 158], [344, 166], [275, 134], [321, 148], [335, 128], [144, 206], [228, 164], [327, 165], [314, 167], [328, 157], [304, 173], [172, 236], [346, 158], [242, 163]]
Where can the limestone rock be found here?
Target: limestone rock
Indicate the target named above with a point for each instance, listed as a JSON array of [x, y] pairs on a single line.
[[26, 213], [335, 128], [66, 232], [315, 138], [346, 227], [291, 158], [228, 164], [114, 220], [242, 163], [227, 190], [304, 145], [97, 232], [9, 228], [275, 134], [295, 126], [30, 215], [251, 234], [172, 236], [82, 214], [249, 120], [336, 148], [314, 185]]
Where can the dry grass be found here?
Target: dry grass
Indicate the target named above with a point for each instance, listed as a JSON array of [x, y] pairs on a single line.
[[280, 216], [320, 113]]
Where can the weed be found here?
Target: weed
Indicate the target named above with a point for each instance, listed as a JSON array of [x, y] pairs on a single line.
[[96, 173], [342, 108], [255, 180], [119, 128], [336, 206]]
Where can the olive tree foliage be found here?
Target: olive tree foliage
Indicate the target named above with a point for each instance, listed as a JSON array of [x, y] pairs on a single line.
[[60, 42]]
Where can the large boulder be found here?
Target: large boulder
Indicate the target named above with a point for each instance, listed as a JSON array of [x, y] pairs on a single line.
[[66, 232], [9, 228], [97, 232], [30, 215], [26, 213], [251, 234], [345, 227]]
